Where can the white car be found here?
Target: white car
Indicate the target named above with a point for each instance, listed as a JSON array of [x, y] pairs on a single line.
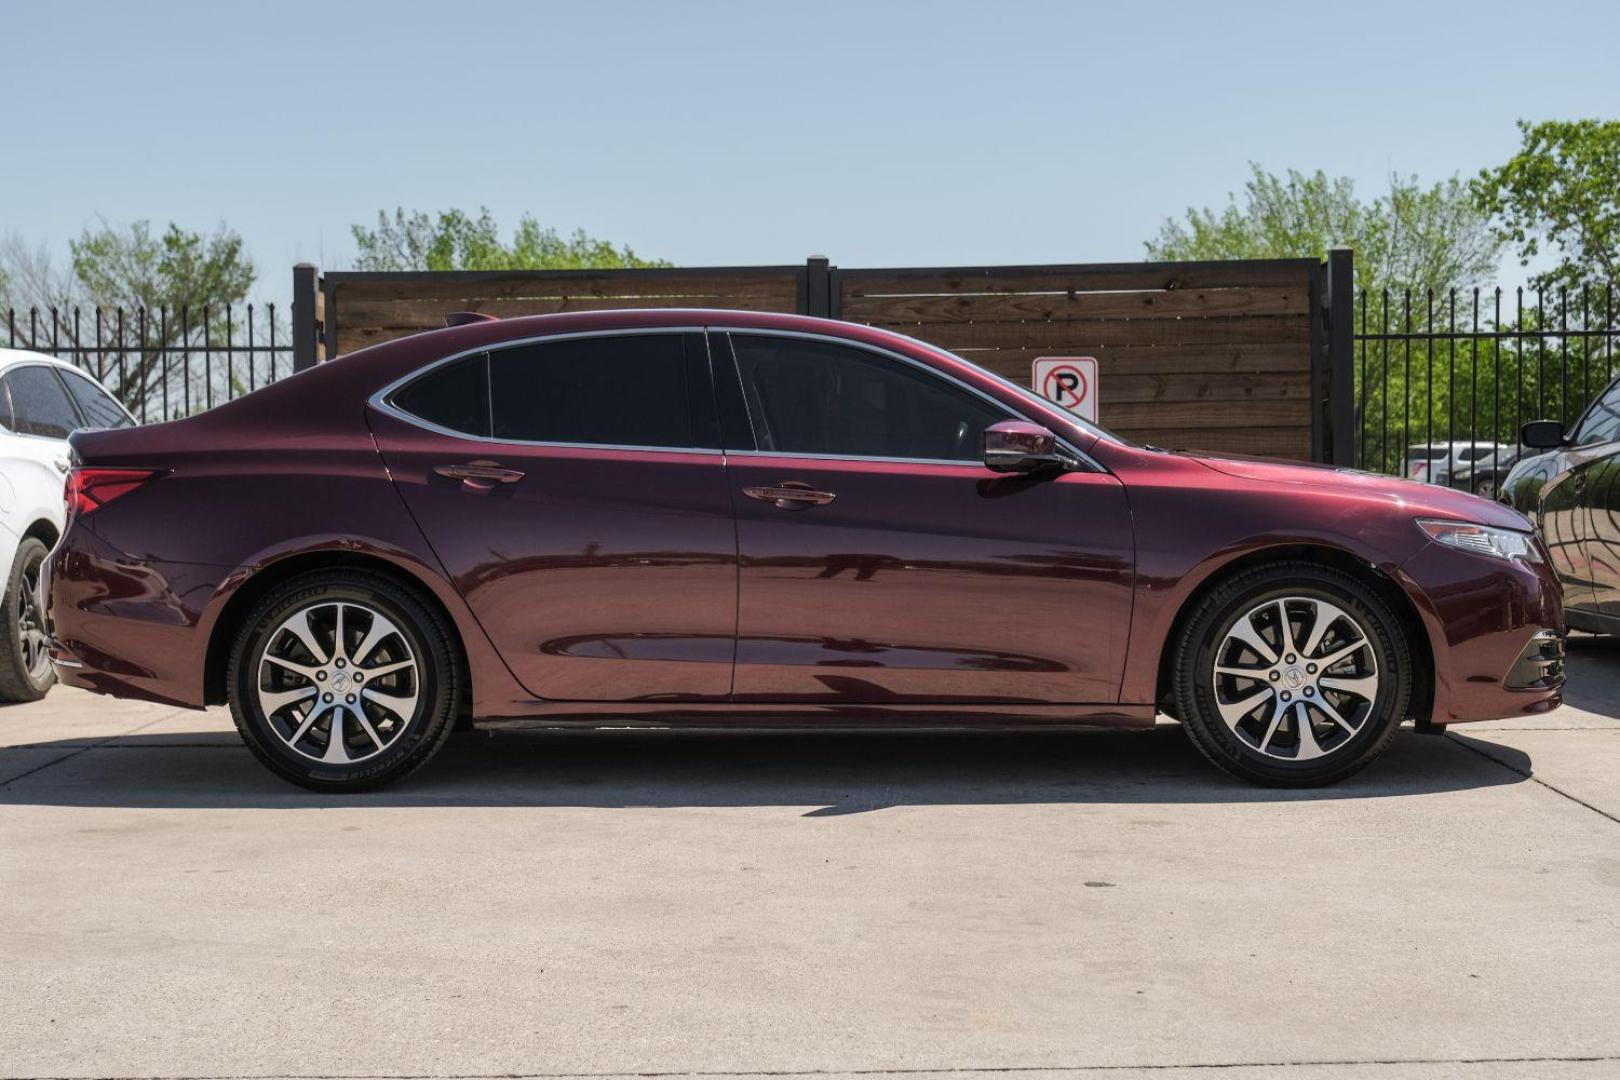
[[1439, 462], [42, 400]]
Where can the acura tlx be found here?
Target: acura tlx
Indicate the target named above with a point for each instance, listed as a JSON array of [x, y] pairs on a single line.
[[680, 518]]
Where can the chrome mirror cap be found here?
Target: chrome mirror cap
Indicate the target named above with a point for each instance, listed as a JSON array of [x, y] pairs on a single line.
[[1018, 446]]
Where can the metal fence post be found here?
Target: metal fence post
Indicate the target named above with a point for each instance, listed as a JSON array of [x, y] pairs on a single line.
[[817, 291], [1341, 403], [306, 335]]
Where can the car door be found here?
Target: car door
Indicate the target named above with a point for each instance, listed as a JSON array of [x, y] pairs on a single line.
[[881, 562], [575, 492]]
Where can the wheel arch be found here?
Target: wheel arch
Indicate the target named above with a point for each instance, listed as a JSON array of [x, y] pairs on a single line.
[[44, 530], [254, 588], [1382, 584]]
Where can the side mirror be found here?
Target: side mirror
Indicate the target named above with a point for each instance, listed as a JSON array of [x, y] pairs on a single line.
[[1018, 446], [1542, 434]]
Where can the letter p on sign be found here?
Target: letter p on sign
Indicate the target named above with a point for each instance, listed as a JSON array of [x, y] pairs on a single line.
[[1069, 381]]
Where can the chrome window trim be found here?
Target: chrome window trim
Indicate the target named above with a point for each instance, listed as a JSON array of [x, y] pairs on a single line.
[[382, 399]]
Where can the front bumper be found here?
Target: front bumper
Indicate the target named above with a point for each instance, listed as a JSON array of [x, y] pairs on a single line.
[[1496, 633]]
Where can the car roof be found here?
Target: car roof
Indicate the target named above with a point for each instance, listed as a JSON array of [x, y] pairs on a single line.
[[8, 357]]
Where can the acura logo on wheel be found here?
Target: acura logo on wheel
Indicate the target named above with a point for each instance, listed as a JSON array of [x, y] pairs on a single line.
[[1293, 677], [340, 681]]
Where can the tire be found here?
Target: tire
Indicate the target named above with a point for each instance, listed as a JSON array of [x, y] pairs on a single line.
[[1368, 688], [1486, 488], [389, 727], [25, 668]]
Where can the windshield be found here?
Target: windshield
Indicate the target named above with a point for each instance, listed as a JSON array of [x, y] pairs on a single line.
[[1026, 393]]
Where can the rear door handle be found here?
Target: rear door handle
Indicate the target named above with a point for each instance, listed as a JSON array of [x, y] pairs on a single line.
[[790, 495], [480, 475]]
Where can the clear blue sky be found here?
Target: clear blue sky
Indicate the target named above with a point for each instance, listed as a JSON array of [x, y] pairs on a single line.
[[732, 133]]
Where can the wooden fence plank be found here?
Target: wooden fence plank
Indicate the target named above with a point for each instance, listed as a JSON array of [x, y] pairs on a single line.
[[1117, 388], [993, 279], [1059, 337], [899, 311], [459, 286], [1166, 416], [1284, 442], [429, 314], [1154, 360]]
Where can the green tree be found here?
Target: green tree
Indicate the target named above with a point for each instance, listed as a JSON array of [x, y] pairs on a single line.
[[455, 240], [129, 267], [1414, 244], [184, 282], [1560, 193], [1412, 236]]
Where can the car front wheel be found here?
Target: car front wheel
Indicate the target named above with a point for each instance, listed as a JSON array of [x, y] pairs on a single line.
[[343, 680], [1292, 675]]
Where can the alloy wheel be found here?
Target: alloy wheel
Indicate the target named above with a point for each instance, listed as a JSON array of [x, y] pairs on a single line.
[[338, 682], [31, 621], [1295, 678]]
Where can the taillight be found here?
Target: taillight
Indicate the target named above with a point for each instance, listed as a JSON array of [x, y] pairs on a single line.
[[89, 488]]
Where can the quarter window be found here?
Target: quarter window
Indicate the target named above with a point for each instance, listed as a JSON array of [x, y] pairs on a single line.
[[815, 397], [39, 403], [455, 397]]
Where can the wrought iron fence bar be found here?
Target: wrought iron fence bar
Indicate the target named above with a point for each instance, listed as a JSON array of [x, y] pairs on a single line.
[[1451, 382]]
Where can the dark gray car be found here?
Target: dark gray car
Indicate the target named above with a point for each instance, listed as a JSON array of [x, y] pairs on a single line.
[[1571, 490]]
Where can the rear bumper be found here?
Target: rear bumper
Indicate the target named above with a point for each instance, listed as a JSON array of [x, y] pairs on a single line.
[[128, 628], [1495, 631]]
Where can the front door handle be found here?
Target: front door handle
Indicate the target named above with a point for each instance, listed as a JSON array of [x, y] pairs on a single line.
[[790, 495], [480, 475]]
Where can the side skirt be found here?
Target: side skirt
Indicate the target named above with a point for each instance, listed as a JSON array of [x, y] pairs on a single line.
[[852, 717]]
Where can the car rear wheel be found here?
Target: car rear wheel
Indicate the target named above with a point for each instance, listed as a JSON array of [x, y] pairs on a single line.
[[1486, 488], [1292, 675], [25, 666], [343, 681]]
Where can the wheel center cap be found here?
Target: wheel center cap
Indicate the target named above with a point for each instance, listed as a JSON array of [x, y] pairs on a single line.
[[1293, 678], [341, 681]]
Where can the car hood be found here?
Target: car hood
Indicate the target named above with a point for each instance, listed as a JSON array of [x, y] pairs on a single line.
[[1421, 499]]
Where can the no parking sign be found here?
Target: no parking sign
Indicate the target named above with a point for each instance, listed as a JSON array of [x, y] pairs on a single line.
[[1069, 381]]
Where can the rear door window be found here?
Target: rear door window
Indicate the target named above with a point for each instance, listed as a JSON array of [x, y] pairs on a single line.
[[40, 404], [630, 390], [99, 408]]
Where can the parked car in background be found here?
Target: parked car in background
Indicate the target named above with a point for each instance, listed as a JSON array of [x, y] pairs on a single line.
[[722, 517], [1443, 462], [1572, 491], [1485, 475], [42, 400]]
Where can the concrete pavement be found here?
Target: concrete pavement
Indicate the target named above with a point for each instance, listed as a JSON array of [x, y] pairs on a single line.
[[1097, 904]]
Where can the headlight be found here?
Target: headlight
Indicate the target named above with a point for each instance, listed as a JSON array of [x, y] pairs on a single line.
[[1481, 539]]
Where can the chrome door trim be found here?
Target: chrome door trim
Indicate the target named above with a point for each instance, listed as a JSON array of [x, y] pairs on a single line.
[[381, 400]]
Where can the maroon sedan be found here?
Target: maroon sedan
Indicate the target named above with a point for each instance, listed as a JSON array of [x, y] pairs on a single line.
[[715, 517]]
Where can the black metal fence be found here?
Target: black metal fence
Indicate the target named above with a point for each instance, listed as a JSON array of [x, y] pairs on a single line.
[[1453, 376], [163, 364]]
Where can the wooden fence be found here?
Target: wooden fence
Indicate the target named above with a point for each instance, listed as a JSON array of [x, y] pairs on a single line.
[[1228, 356]]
